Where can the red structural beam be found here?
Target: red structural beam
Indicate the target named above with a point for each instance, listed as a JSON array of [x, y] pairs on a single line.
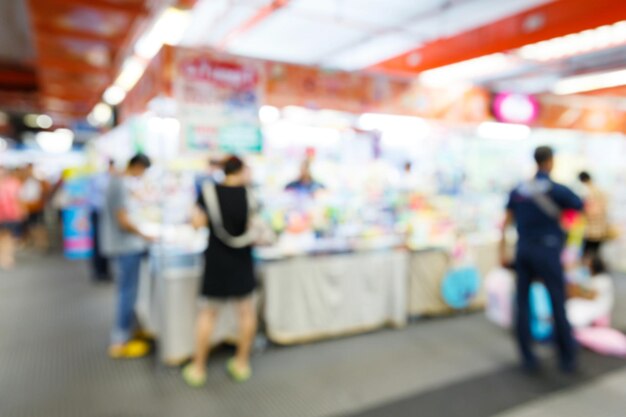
[[127, 7], [262, 14], [47, 31], [548, 21], [17, 79]]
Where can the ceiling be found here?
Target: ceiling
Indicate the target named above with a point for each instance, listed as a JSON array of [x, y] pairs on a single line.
[[408, 38], [58, 56], [343, 34]]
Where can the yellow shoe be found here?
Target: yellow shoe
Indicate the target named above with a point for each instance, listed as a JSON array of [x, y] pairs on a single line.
[[192, 378], [131, 350], [238, 375]]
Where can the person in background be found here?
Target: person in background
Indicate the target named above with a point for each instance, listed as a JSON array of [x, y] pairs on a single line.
[[407, 181], [34, 195], [97, 194], [596, 213], [535, 207], [126, 245], [11, 216], [213, 174], [305, 183], [229, 271], [592, 304]]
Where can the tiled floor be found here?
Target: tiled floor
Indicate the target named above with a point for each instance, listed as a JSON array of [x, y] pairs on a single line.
[[54, 326]]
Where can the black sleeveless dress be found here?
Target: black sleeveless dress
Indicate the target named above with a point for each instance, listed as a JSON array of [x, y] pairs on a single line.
[[228, 272]]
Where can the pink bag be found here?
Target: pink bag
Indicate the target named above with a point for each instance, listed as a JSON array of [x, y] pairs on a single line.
[[603, 340], [500, 288]]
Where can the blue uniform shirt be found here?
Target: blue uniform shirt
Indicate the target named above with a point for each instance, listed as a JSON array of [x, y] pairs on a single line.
[[304, 187], [534, 226]]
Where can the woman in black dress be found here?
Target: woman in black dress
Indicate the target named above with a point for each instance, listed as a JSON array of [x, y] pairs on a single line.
[[228, 272]]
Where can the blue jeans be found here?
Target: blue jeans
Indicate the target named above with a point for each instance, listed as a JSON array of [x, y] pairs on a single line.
[[128, 267]]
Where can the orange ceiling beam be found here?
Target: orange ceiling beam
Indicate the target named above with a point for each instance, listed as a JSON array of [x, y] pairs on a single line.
[[548, 21], [74, 67], [70, 94], [17, 79], [127, 7], [262, 14], [45, 31]]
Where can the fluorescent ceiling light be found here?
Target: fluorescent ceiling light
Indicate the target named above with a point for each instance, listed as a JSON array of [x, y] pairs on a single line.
[[284, 133], [492, 130], [269, 114], [44, 121], [168, 29], [114, 95], [100, 115], [576, 43], [59, 141], [30, 120], [466, 71], [132, 70], [583, 83], [380, 121], [396, 130]]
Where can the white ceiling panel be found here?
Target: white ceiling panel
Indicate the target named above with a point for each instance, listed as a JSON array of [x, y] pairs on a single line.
[[469, 15], [213, 19], [375, 13], [289, 37], [372, 51]]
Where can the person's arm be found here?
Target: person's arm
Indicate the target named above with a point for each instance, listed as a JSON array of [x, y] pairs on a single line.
[[509, 219], [127, 225], [579, 291], [567, 199], [199, 218], [118, 199]]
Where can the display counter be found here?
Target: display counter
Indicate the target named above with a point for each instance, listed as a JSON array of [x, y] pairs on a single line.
[[309, 298], [428, 292], [338, 291]]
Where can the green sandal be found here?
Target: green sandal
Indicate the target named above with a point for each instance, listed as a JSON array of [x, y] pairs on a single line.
[[237, 375], [191, 379]]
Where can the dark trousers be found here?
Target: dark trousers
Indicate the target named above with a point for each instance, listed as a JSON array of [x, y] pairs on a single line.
[[99, 263], [591, 248], [539, 262]]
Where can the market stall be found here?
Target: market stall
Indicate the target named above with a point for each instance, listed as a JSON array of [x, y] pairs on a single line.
[[380, 240]]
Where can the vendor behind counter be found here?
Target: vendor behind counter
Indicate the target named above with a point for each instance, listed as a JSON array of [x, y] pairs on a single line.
[[305, 184]]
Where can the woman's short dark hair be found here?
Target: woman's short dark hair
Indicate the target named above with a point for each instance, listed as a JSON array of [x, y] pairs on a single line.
[[543, 154], [232, 165], [140, 160], [584, 176], [597, 265]]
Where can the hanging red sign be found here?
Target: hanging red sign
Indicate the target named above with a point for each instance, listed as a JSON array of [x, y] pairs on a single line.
[[219, 73]]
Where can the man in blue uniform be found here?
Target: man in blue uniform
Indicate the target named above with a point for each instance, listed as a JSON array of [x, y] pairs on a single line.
[[535, 207]]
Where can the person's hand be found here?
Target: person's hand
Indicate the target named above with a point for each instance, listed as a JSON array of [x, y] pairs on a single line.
[[149, 238], [505, 262]]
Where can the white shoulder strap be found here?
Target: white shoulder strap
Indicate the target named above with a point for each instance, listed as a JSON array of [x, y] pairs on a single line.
[[217, 226], [543, 201]]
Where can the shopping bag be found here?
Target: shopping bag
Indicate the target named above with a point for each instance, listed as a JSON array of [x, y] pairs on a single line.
[[500, 288], [540, 312], [603, 340]]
